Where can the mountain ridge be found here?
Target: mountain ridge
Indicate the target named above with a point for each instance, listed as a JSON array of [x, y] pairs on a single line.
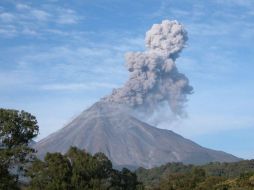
[[110, 128]]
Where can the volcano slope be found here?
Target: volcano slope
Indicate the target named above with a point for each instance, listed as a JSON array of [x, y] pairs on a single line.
[[127, 141]]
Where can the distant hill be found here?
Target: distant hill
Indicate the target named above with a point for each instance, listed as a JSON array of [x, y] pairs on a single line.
[[127, 141]]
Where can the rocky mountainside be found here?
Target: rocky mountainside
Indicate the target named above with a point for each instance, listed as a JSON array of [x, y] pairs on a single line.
[[127, 141]]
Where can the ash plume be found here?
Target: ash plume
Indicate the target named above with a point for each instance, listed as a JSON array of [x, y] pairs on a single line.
[[154, 78]]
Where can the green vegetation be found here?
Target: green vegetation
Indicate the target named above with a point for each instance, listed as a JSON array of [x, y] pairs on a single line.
[[78, 170], [16, 131], [213, 176]]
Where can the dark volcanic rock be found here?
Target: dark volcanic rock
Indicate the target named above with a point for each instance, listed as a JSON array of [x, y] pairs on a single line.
[[127, 141]]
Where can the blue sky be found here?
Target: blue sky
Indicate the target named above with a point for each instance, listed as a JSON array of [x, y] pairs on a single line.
[[59, 57]]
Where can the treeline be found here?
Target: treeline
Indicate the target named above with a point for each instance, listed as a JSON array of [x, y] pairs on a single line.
[[213, 176], [76, 170]]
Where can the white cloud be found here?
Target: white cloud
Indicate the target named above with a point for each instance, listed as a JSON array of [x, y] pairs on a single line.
[[67, 16], [76, 65], [20, 6], [40, 14], [8, 31], [209, 29], [243, 3], [31, 20], [29, 31], [162, 10], [7, 17], [77, 86], [57, 32], [15, 78]]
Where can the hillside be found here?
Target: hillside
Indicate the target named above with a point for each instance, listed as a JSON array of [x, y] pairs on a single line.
[[127, 141]]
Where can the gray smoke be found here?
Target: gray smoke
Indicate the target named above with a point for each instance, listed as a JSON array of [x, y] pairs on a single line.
[[154, 79]]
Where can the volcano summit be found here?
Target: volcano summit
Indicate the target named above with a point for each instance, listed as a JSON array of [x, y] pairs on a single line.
[[111, 125]]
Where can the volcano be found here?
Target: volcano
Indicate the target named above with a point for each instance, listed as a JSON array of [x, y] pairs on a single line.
[[109, 127], [128, 142]]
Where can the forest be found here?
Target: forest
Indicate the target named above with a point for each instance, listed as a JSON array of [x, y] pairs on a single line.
[[212, 176]]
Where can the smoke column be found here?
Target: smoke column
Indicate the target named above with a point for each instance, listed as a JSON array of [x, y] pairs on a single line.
[[154, 79]]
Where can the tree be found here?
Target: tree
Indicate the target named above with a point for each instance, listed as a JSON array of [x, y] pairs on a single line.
[[83, 168], [54, 173], [7, 181], [17, 129], [78, 170], [129, 180], [183, 181], [210, 183]]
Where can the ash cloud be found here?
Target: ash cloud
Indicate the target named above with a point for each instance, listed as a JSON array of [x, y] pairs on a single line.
[[154, 79]]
